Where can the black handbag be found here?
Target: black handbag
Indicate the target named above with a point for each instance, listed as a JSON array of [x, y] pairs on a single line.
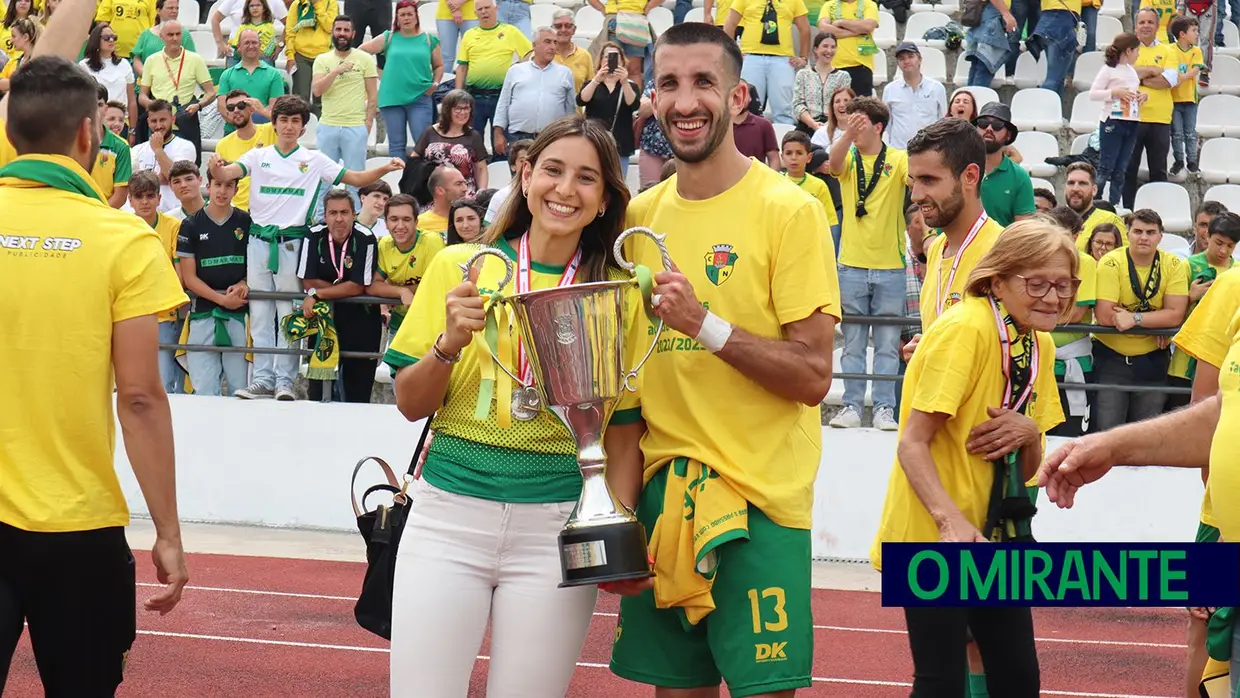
[[381, 529]]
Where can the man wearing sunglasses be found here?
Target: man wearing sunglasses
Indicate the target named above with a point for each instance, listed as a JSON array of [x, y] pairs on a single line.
[[1139, 288], [1007, 191], [261, 82], [238, 111]]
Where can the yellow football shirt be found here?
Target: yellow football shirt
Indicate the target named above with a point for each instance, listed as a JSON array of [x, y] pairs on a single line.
[[852, 50], [1115, 286], [613, 6], [580, 63], [756, 256], [489, 53], [1158, 107], [1204, 336], [113, 166], [721, 9], [7, 152], [752, 11], [875, 241], [1223, 487], [1095, 217], [444, 12], [818, 189], [168, 227], [232, 147], [344, 103], [957, 370], [1086, 294], [523, 454], [1073, 6], [57, 410], [406, 268], [128, 18], [431, 222], [178, 78], [1166, 11], [1185, 61], [939, 271]]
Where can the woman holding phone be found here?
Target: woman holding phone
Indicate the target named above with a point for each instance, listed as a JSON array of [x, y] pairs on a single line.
[[612, 99], [500, 481]]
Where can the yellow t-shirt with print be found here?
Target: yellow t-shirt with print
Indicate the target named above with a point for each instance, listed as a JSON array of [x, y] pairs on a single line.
[[489, 53], [57, 411], [344, 103], [128, 18], [528, 460], [1115, 286], [875, 241], [1095, 217], [1223, 488], [232, 147], [1204, 336], [852, 50], [957, 370], [756, 256], [721, 9], [431, 222], [6, 43], [113, 165], [816, 188], [752, 11], [1166, 12], [1187, 90], [467, 10], [939, 271], [580, 63], [1158, 107], [406, 268], [168, 227]]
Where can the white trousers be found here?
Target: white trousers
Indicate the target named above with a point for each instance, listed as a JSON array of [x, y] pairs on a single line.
[[464, 561]]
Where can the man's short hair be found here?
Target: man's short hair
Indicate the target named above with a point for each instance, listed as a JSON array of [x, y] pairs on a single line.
[[437, 176], [344, 18], [234, 94], [1083, 167], [1210, 208], [159, 105], [49, 98], [144, 183], [1181, 24], [515, 150], [380, 186], [1148, 215], [182, 168], [1066, 218], [101, 93], [690, 33], [876, 111], [401, 200], [1046, 194], [291, 105], [336, 194], [1226, 224], [956, 141], [795, 136], [116, 104]]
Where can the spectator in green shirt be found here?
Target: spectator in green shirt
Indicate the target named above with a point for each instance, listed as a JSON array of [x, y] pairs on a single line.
[[260, 80], [1007, 191]]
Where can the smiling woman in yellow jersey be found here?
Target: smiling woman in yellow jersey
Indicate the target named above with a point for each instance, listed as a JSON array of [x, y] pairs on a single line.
[[405, 254], [986, 360], [499, 482]]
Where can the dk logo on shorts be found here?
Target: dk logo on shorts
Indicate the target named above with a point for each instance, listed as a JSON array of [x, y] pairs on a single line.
[[773, 652]]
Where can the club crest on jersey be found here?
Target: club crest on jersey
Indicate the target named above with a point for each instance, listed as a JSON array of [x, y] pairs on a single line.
[[239, 233], [952, 299], [719, 264], [348, 262], [302, 167]]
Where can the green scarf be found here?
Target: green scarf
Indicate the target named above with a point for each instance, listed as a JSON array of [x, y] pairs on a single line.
[[56, 171], [221, 317], [1011, 510], [305, 16], [325, 356]]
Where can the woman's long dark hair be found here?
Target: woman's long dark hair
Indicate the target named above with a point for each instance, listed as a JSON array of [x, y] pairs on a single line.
[[10, 15], [1120, 45], [93, 46], [267, 17], [452, 236], [598, 237], [449, 103]]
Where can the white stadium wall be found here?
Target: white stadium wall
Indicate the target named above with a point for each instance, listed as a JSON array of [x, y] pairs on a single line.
[[288, 464]]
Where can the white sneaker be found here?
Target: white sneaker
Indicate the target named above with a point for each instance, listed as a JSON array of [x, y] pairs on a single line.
[[846, 419], [885, 420], [285, 393], [255, 391]]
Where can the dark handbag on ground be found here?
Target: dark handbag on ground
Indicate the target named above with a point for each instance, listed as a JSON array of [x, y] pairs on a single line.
[[382, 529]]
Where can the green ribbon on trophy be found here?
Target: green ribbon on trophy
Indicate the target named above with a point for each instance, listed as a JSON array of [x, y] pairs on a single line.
[[496, 317]]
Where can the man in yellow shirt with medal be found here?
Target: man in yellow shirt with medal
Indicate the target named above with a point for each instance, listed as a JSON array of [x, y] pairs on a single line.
[[727, 509]]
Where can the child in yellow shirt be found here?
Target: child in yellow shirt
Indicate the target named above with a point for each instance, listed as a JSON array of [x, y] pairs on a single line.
[[1185, 54], [795, 151]]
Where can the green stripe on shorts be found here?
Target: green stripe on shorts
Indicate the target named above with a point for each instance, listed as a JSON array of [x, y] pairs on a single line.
[[1207, 533]]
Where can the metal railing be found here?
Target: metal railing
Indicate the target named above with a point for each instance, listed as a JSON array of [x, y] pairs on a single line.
[[869, 320]]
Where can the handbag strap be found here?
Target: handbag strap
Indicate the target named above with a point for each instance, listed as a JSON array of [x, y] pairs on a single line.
[[392, 485]]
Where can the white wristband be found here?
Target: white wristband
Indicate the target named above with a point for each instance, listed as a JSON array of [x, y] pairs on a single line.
[[714, 333]]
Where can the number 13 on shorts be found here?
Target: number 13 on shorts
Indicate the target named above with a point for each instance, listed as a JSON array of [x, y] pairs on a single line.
[[767, 607]]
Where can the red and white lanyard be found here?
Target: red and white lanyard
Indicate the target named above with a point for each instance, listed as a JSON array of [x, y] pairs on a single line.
[[1005, 345], [523, 286], [951, 276], [331, 249], [176, 82]]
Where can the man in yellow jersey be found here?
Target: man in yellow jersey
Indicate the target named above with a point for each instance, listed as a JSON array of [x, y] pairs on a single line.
[[1138, 288], [446, 184], [238, 109], [486, 53], [853, 24], [569, 53], [67, 570], [114, 165], [1204, 338], [1158, 74], [771, 63], [1166, 10], [1080, 191], [404, 255], [746, 243], [1056, 34], [873, 179]]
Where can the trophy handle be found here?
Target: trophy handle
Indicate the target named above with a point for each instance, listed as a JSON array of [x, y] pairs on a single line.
[[618, 252], [488, 342]]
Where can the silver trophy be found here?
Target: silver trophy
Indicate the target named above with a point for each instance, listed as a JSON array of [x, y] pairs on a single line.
[[575, 340]]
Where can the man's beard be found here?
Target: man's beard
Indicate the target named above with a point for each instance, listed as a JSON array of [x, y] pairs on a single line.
[[992, 147], [96, 142], [342, 44], [1083, 207], [718, 131], [947, 211]]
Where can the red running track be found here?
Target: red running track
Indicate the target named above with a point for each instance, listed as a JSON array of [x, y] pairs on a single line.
[[267, 628]]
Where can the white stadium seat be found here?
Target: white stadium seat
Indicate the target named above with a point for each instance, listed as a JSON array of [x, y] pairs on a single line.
[[1113, 8], [1034, 148], [1224, 76], [1079, 144], [1226, 194], [921, 22], [1037, 109], [189, 13], [498, 175], [660, 19], [983, 96], [589, 22], [1086, 69], [696, 14], [1176, 245], [1144, 168], [933, 64], [1171, 201], [1220, 160], [426, 17], [1039, 183], [880, 68], [1216, 116], [885, 35], [541, 15], [1108, 28], [1029, 73], [1231, 39], [1085, 113]]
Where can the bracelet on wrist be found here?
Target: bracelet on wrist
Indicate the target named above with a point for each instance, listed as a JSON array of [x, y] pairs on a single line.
[[443, 356]]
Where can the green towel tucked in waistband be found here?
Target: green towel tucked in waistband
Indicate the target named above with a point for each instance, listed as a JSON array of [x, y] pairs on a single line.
[[221, 317], [272, 234]]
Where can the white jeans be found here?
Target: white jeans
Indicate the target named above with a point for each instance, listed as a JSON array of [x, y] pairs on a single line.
[[464, 561], [206, 367], [269, 369]]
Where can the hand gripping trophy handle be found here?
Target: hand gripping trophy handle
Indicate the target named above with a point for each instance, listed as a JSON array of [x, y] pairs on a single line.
[[466, 268], [643, 279]]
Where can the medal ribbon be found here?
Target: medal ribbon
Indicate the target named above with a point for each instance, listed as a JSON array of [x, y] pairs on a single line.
[[524, 370], [864, 189], [939, 290], [1146, 294], [1028, 352], [331, 249], [1010, 509]]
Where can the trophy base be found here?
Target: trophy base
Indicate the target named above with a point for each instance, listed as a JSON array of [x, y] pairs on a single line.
[[609, 553]]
